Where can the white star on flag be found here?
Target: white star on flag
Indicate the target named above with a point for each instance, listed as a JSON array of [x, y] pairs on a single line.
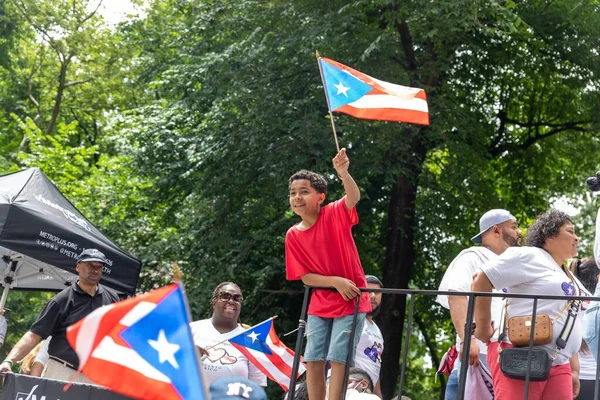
[[253, 336], [166, 350], [342, 89]]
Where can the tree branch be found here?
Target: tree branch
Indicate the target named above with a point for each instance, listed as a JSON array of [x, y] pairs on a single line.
[[69, 84]]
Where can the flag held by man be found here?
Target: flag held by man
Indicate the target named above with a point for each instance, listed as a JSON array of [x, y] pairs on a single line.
[[261, 345], [141, 347], [352, 92]]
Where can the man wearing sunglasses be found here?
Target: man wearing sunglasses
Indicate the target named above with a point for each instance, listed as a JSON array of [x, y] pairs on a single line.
[[66, 308]]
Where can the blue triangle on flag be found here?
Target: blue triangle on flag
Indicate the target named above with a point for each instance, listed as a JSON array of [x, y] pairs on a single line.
[[255, 337], [162, 338], [342, 87]]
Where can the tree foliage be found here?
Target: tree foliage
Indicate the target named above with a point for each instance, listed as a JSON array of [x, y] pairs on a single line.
[[176, 133]]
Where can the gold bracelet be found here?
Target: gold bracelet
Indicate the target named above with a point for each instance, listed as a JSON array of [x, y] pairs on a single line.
[[347, 175]]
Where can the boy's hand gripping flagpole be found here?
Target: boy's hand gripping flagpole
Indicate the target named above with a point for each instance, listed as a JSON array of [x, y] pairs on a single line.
[[337, 145]]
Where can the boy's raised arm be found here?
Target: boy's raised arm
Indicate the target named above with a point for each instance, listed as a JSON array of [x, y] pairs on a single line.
[[341, 164]]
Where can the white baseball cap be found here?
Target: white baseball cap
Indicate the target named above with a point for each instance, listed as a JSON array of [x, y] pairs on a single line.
[[491, 218]]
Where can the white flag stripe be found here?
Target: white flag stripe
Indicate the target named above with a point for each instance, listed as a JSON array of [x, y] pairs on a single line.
[[401, 91], [138, 312], [90, 326], [273, 371], [110, 351], [406, 92], [284, 355], [389, 101]]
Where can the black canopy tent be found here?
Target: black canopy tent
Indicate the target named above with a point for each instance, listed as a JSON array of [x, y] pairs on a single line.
[[42, 233]]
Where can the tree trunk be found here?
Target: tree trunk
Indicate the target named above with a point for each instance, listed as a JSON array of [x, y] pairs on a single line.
[[62, 81], [399, 260]]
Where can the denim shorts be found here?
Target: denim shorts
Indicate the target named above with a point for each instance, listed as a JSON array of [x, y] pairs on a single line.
[[327, 338]]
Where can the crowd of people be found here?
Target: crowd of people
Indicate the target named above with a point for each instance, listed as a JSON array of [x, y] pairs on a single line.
[[564, 341], [320, 251]]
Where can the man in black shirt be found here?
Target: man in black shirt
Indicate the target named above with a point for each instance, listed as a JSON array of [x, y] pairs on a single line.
[[61, 311]]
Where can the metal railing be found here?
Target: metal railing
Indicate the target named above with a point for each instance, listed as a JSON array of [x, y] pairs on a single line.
[[410, 293]]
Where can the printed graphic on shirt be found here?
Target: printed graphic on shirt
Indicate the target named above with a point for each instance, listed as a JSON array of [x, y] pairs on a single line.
[[568, 288], [220, 356], [374, 352]]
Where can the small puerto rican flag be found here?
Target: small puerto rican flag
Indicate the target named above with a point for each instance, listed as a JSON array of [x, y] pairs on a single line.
[[263, 348]]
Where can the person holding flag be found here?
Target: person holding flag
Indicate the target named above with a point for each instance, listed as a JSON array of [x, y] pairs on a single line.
[[221, 358], [320, 250], [66, 308], [141, 347]]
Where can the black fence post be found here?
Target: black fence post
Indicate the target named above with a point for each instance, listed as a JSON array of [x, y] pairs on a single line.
[[530, 350], [467, 347], [351, 348], [406, 340], [299, 340]]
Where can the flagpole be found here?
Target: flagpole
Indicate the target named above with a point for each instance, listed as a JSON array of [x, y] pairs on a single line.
[[337, 145], [252, 327], [177, 278]]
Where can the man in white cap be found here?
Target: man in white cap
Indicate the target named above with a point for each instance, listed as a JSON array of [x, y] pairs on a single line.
[[499, 230]]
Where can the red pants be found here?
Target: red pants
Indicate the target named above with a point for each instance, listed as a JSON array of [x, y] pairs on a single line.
[[559, 385]]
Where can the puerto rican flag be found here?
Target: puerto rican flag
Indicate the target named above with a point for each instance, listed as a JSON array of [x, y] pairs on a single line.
[[263, 348], [141, 347], [352, 92]]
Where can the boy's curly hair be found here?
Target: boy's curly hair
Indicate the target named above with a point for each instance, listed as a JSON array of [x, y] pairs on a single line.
[[546, 226], [317, 181]]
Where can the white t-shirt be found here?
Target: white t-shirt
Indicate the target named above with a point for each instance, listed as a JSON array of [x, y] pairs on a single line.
[[587, 367], [531, 270], [369, 349], [224, 360], [42, 355], [459, 276]]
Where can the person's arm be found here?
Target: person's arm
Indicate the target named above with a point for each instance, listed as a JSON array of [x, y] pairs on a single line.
[[36, 369], [377, 389], [574, 362], [341, 164], [346, 287], [21, 349], [458, 312], [483, 313]]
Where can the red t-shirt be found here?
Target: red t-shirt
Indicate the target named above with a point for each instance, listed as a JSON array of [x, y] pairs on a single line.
[[327, 248]]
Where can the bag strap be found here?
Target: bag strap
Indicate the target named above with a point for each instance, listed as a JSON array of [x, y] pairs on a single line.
[[573, 306]]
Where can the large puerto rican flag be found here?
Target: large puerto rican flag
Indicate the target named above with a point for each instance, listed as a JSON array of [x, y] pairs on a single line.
[[351, 92], [141, 347], [263, 348]]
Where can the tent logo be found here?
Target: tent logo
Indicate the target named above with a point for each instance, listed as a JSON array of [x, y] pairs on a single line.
[[71, 216]]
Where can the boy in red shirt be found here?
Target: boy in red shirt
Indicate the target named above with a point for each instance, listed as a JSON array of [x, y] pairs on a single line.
[[320, 250]]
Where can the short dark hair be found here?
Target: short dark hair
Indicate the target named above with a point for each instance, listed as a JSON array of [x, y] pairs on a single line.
[[546, 226], [361, 374], [317, 181], [586, 270]]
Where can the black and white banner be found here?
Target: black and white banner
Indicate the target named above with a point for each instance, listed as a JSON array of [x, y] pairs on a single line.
[[25, 387]]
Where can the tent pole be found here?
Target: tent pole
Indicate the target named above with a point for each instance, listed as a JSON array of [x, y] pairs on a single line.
[[4, 296], [8, 280]]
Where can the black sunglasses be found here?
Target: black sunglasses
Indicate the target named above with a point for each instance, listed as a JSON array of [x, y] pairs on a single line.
[[226, 296]]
